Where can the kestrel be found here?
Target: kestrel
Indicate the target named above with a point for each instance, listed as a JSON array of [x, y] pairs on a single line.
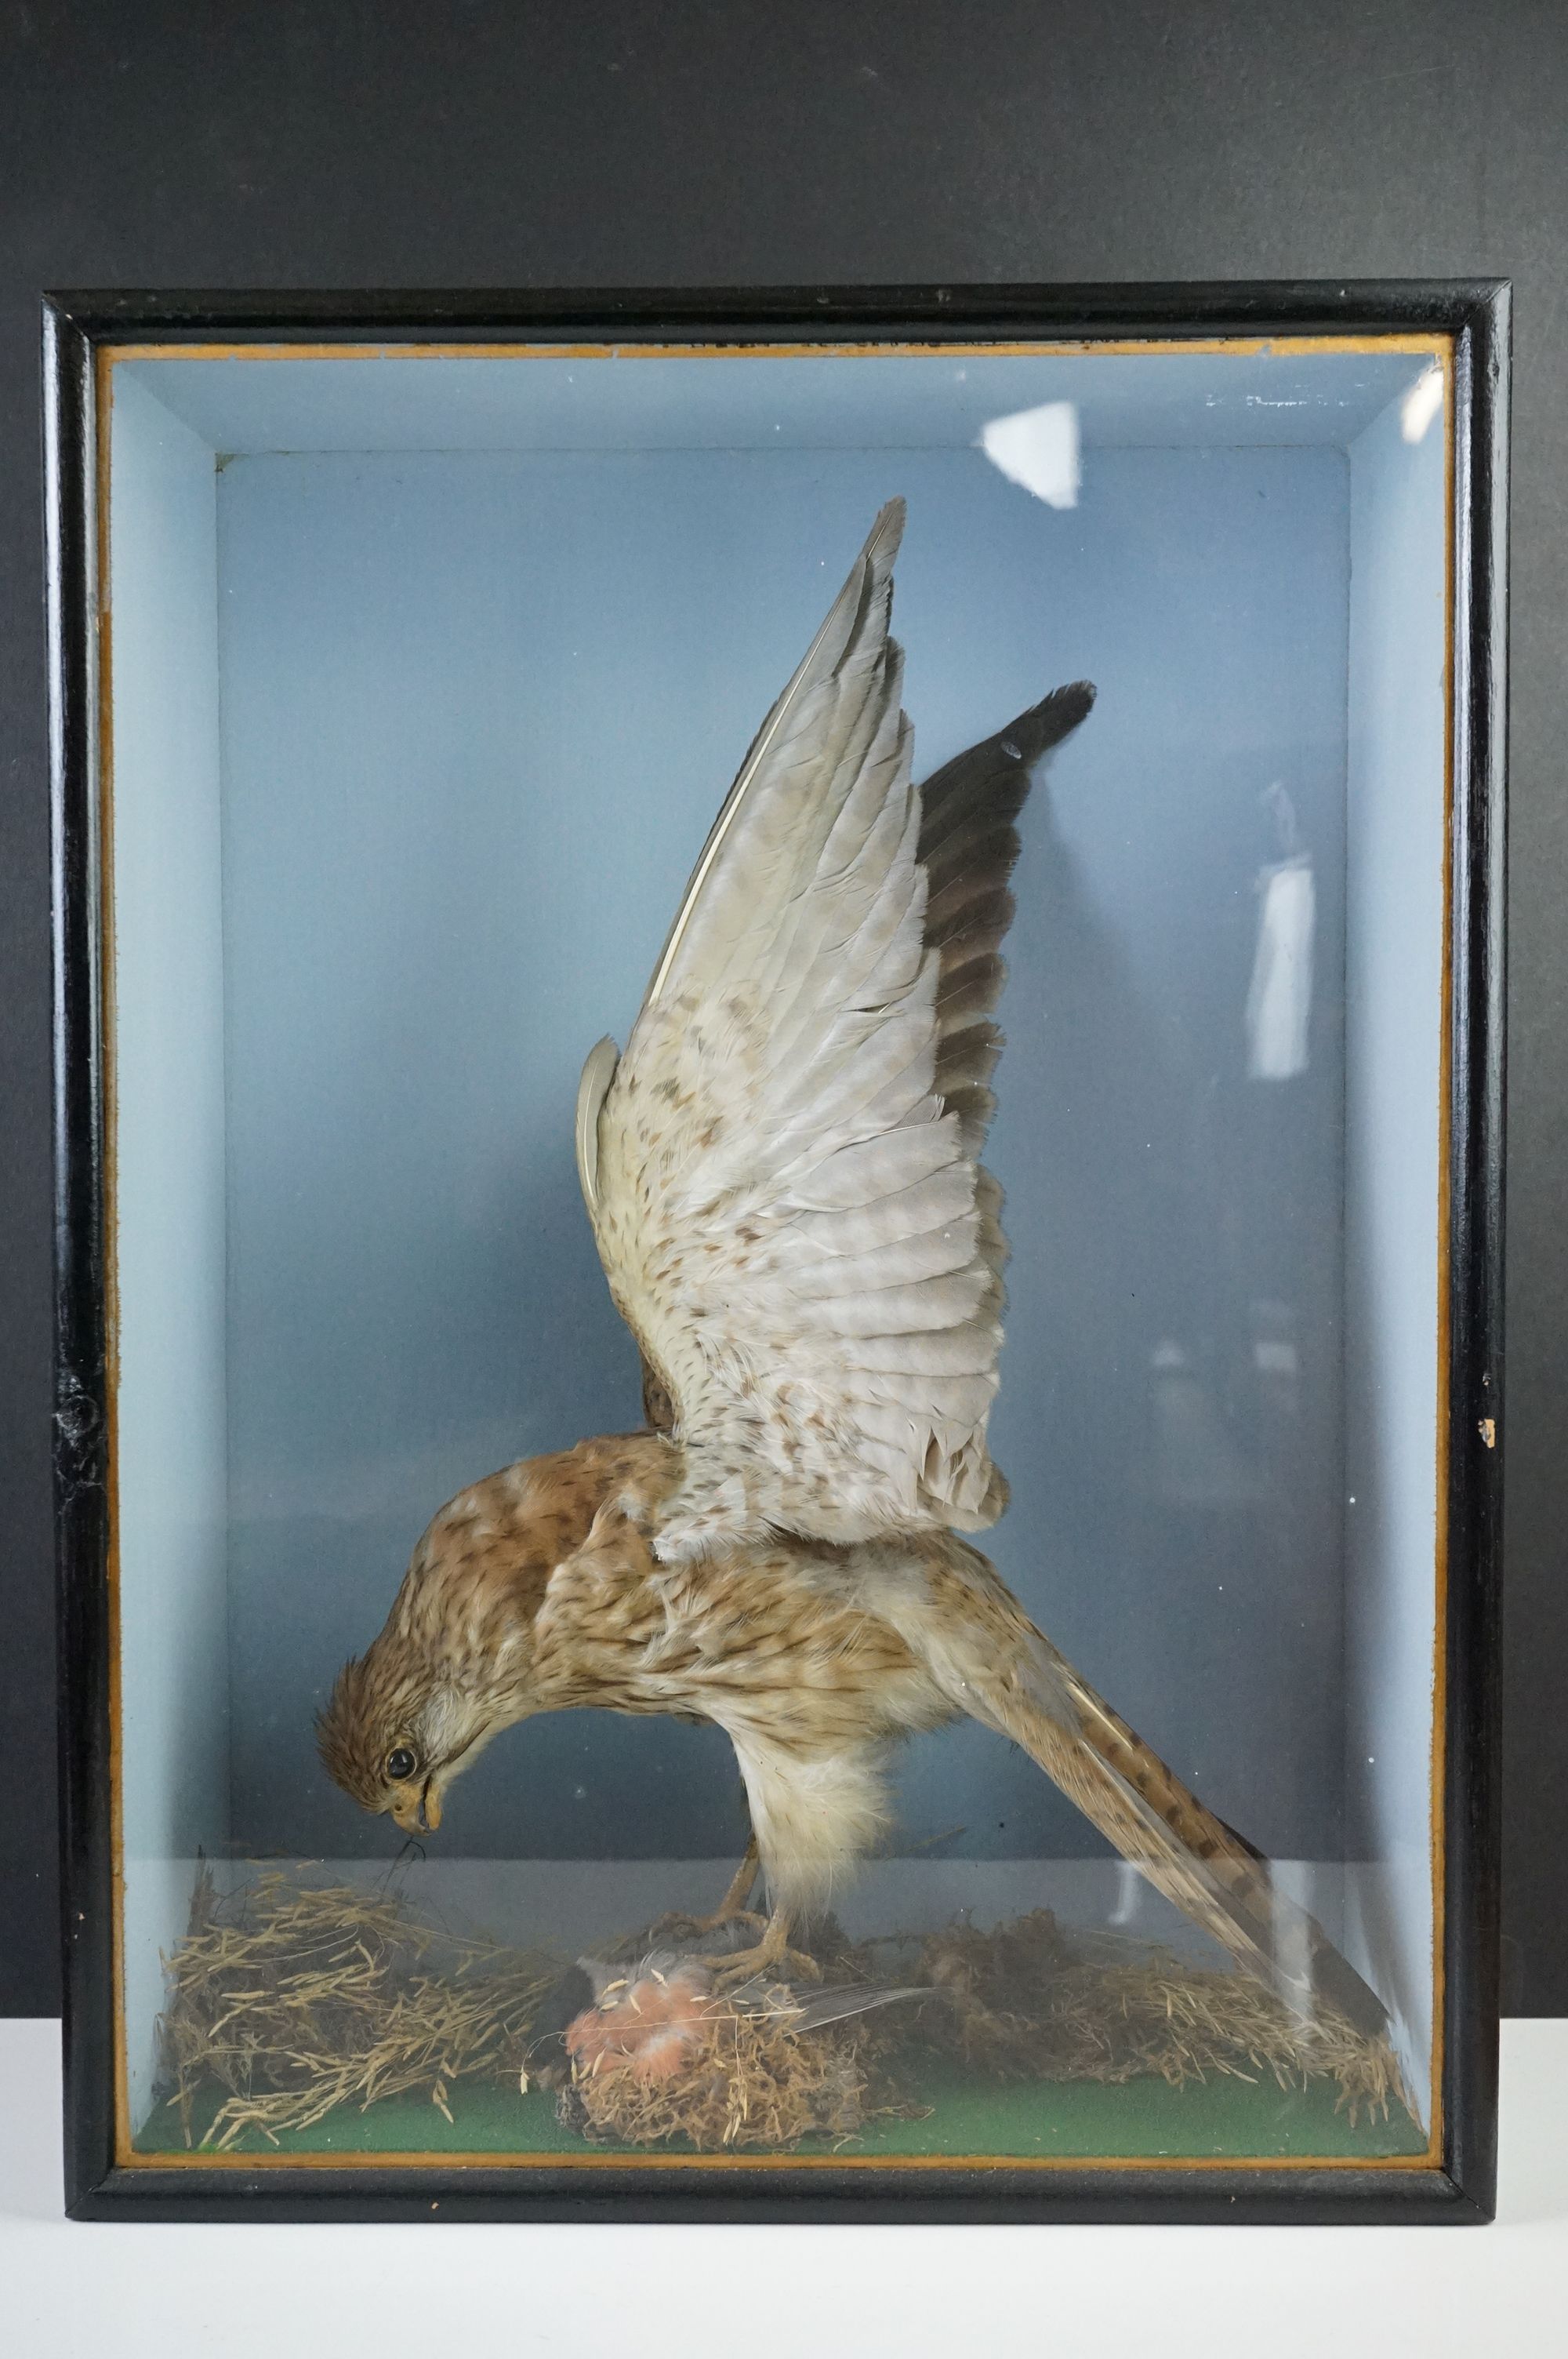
[[783, 1173]]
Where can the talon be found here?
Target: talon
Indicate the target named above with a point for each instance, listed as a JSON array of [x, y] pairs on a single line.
[[747, 1917], [676, 1921], [744, 1965], [730, 1968], [679, 1924]]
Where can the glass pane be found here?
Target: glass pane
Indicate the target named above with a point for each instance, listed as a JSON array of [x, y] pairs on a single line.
[[430, 675]]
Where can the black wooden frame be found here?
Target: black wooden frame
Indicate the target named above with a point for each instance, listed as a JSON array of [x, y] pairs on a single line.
[[1461, 2186]]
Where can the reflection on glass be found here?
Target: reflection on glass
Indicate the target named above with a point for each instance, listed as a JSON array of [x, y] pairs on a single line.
[[1278, 999], [1421, 404], [1039, 450]]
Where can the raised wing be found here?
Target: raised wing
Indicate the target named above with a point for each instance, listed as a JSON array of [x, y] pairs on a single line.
[[781, 1171]]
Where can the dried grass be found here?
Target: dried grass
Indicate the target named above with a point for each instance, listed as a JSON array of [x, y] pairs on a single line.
[[298, 1998], [1020, 2002], [1025, 2003]]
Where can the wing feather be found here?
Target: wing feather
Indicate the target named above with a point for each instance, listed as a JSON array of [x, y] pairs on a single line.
[[781, 1171]]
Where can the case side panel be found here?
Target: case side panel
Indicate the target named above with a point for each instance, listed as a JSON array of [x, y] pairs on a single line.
[[1394, 1000], [167, 1143]]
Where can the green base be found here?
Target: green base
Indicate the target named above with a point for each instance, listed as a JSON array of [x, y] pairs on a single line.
[[1229, 2118]]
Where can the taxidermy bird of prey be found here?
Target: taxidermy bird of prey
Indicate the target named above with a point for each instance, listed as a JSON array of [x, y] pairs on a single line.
[[783, 1173]]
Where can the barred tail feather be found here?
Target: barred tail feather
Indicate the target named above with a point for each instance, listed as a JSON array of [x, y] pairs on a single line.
[[1204, 1865], [1212, 1874]]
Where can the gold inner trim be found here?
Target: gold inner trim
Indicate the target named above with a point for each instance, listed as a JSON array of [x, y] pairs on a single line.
[[197, 2160], [1437, 347], [544, 347]]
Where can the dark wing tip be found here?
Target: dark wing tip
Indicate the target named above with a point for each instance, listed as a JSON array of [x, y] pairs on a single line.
[[1054, 717]]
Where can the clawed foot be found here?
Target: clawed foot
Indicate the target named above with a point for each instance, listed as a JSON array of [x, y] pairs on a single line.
[[772, 1955], [785, 1965], [677, 1926]]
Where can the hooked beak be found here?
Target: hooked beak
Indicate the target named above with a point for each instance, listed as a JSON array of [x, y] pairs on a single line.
[[419, 1814]]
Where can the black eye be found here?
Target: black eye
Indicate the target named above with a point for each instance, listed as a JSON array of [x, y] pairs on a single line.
[[400, 1763]]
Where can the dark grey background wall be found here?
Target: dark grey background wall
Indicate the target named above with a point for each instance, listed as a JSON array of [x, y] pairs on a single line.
[[396, 143]]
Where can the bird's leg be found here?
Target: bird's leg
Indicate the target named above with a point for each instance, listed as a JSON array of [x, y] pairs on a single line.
[[737, 1892], [734, 1966], [731, 1908]]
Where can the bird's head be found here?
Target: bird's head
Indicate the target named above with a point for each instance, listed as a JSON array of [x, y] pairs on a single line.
[[394, 1731], [450, 1668]]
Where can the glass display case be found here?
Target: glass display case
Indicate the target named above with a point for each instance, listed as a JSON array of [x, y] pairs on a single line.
[[947, 1748]]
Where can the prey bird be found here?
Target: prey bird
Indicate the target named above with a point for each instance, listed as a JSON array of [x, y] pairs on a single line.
[[783, 1174]]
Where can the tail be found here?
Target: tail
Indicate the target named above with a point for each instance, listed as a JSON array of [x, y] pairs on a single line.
[[1032, 1693]]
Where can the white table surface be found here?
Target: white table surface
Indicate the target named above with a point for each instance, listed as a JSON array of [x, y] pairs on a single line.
[[130, 2292]]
